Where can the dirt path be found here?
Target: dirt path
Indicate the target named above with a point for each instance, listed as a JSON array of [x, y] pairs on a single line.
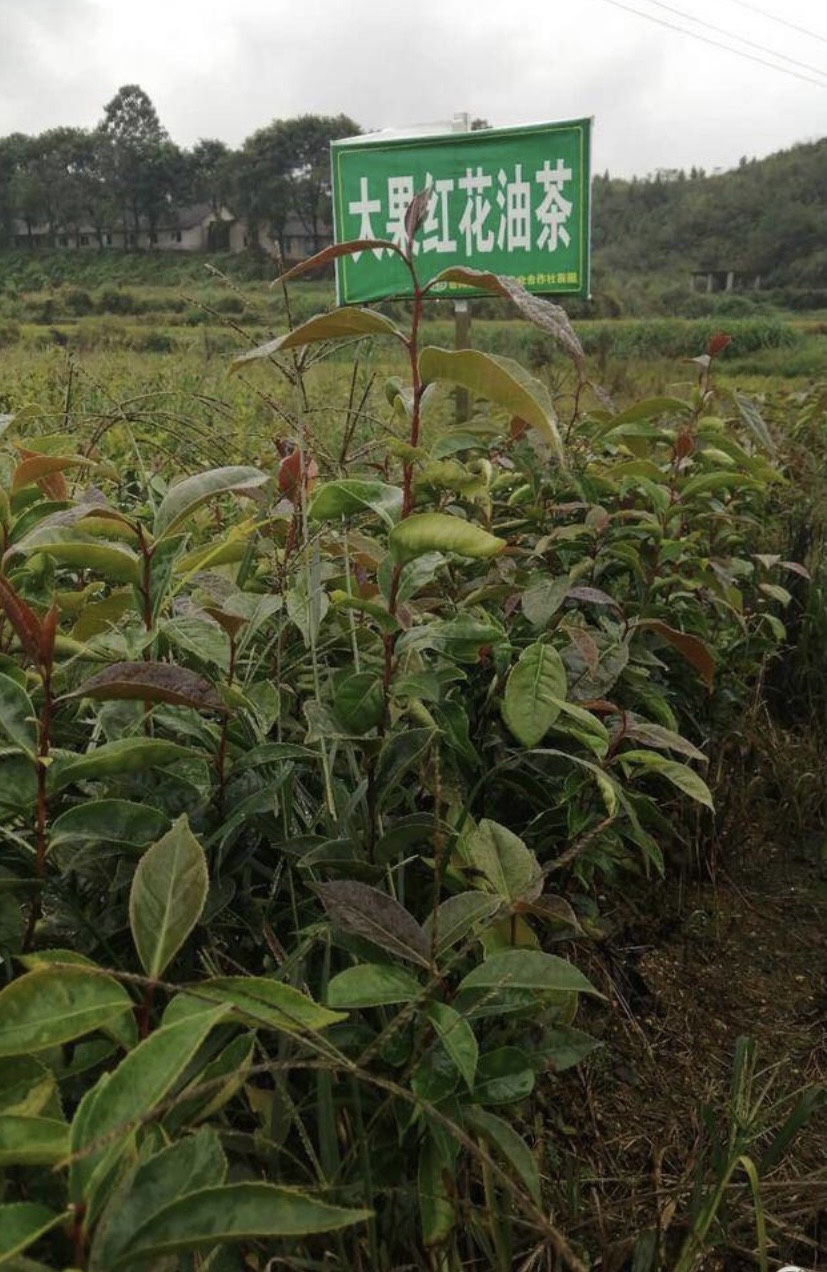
[[742, 956]]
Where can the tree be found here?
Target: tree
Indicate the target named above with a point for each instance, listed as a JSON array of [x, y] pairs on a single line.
[[308, 141], [210, 173], [143, 163]]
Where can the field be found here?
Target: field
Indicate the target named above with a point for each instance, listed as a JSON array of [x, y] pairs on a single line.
[[411, 812]]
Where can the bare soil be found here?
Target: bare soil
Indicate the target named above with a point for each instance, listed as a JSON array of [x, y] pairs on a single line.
[[742, 953]]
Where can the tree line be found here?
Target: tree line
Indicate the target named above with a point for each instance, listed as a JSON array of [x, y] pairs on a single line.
[[127, 173], [765, 217]]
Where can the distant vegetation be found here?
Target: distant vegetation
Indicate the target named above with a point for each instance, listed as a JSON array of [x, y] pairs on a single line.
[[764, 219]]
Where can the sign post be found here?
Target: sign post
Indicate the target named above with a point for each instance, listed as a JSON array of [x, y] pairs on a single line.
[[511, 201]]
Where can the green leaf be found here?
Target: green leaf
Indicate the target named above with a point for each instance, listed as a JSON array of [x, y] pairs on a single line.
[[83, 552], [236, 1212], [664, 739], [528, 969], [27, 1087], [360, 702], [459, 915], [182, 499], [503, 861], [535, 685], [168, 894], [52, 1005], [32, 1141], [126, 755], [500, 380], [18, 720], [706, 483], [542, 599], [439, 532], [111, 1110], [754, 421], [341, 324], [650, 409], [372, 985], [267, 1003], [508, 1144], [185, 1167], [214, 1086], [436, 1191], [679, 775], [115, 821], [21, 1223], [564, 1047], [352, 495], [399, 754], [372, 914], [504, 1076], [457, 1037]]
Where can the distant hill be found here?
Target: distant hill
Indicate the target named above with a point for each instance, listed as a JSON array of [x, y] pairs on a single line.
[[766, 217]]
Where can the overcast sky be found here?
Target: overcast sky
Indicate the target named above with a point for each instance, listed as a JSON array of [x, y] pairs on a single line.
[[659, 97]]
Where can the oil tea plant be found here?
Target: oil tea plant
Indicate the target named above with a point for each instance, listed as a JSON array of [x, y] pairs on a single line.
[[306, 774]]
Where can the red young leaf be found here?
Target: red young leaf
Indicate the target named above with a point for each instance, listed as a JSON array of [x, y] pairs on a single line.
[[692, 647], [328, 254], [48, 631], [718, 343], [22, 618]]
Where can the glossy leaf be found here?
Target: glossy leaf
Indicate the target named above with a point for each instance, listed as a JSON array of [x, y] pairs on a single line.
[[52, 1005], [439, 532], [21, 1223], [371, 985], [508, 1144], [237, 1212], [339, 324], [500, 859], [32, 1141], [268, 1003], [528, 969], [82, 552], [194, 1162], [18, 720], [504, 1076], [151, 682], [27, 1087], [126, 755], [115, 821], [351, 495], [110, 1111], [182, 499], [360, 702], [500, 380], [457, 1037], [436, 1192], [543, 598], [460, 915], [535, 684], [680, 775], [168, 893]]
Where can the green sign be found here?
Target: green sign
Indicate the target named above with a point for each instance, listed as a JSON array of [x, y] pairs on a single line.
[[507, 200]]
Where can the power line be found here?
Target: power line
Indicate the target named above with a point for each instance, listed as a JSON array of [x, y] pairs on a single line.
[[808, 79], [733, 35], [753, 8]]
